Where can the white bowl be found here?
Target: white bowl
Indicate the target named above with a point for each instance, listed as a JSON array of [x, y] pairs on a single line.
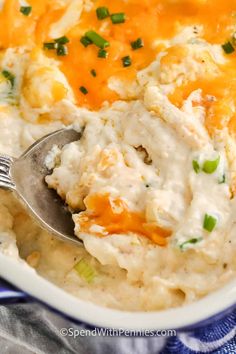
[[204, 311]]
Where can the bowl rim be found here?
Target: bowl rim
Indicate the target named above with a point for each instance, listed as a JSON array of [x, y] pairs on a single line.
[[18, 273]]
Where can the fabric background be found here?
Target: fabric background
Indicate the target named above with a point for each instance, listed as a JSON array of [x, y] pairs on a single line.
[[31, 328]]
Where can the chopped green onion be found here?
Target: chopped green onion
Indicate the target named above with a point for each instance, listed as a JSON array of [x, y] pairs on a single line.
[[102, 53], [137, 44], [96, 39], [222, 179], [192, 241], [196, 166], [83, 90], [126, 61], [228, 48], [62, 50], [209, 222], [59, 45], [9, 76], [62, 40], [102, 12], [118, 18], [93, 73], [49, 45], [26, 10], [211, 166], [233, 38], [85, 41], [85, 270]]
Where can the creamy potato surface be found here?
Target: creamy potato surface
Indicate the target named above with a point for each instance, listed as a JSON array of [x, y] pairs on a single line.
[[151, 184]]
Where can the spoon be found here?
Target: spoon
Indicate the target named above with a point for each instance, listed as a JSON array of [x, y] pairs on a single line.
[[26, 177]]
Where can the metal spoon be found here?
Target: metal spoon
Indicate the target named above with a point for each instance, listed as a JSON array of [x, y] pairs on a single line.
[[26, 176]]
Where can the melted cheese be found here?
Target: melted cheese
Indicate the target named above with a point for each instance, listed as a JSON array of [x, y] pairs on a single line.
[[218, 97], [113, 216], [151, 20]]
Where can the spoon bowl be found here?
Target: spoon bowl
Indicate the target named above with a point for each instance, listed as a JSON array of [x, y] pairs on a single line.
[[26, 176]]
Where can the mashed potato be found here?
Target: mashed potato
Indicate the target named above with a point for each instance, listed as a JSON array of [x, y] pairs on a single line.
[[151, 183]]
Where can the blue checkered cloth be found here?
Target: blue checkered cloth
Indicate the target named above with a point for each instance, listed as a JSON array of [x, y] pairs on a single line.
[[29, 327]]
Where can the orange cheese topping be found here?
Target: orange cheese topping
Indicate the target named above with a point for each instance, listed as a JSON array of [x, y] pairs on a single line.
[[219, 97], [148, 19], [114, 217]]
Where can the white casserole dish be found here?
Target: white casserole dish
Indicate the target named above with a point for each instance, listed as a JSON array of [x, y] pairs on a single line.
[[35, 288]]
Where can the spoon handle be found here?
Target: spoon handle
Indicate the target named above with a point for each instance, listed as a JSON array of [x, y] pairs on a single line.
[[5, 172]]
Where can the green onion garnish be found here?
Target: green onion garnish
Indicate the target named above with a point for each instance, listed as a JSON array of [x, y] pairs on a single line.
[[62, 40], [85, 41], [102, 53], [102, 12], [118, 18], [222, 179], [49, 45], [96, 39], [83, 90], [192, 241], [93, 73], [233, 38], [26, 10], [211, 166], [126, 61], [59, 45], [196, 166], [209, 222], [85, 270], [9, 76], [137, 44], [62, 50], [228, 48]]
